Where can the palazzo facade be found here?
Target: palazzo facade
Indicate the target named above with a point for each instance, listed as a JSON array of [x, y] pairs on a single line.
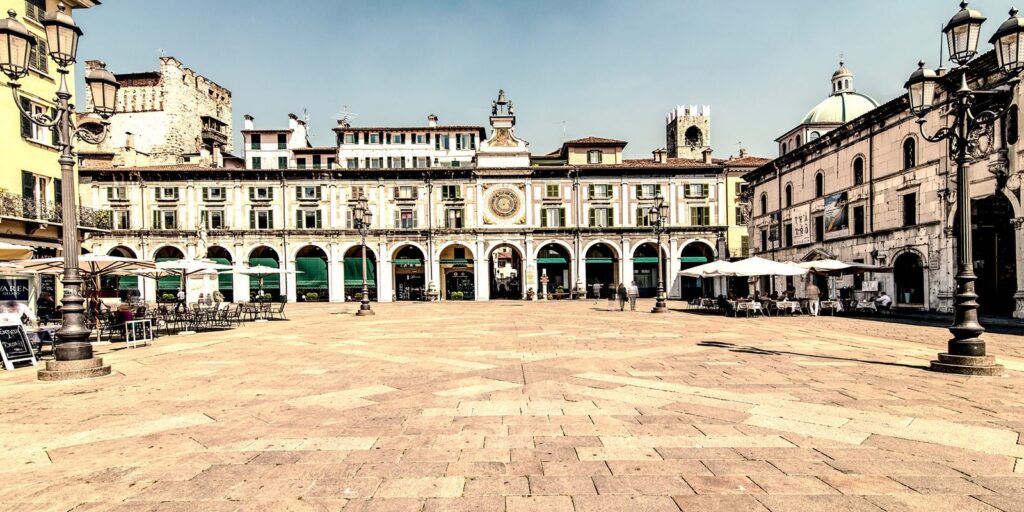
[[469, 215]]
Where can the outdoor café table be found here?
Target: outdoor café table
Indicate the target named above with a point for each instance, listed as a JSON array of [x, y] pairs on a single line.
[[708, 303], [788, 305], [867, 305], [832, 306]]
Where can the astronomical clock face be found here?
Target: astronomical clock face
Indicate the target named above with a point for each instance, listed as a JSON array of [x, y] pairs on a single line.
[[505, 203]]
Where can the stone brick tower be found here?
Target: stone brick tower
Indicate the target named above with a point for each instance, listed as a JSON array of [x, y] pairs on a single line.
[[688, 131]]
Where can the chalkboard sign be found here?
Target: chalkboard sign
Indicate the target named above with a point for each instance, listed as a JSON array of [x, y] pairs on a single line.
[[14, 346], [138, 331]]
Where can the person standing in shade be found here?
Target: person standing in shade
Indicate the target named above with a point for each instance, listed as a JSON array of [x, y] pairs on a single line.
[[813, 297], [180, 305], [622, 295], [597, 289], [632, 292]]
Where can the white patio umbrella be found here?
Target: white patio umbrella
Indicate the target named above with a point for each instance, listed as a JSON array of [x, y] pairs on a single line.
[[15, 251], [756, 266], [188, 267], [717, 268], [262, 271], [90, 264], [836, 267]]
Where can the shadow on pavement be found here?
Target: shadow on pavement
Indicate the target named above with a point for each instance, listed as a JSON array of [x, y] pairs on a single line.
[[762, 352]]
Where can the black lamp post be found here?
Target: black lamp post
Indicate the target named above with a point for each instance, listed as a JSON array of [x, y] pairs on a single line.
[[362, 216], [62, 35], [969, 123], [657, 216]]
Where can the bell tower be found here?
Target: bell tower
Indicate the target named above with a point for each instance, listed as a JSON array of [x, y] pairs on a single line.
[[688, 131]]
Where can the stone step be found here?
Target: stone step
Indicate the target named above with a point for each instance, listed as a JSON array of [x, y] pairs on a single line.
[[59, 366], [84, 373]]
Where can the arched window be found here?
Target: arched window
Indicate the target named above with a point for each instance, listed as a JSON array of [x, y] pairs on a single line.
[[813, 136], [797, 142], [784, 148], [858, 171], [694, 137], [764, 204], [789, 194], [819, 184], [909, 153]]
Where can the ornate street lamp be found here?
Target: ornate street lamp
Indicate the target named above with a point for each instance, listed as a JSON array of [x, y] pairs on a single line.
[[362, 217], [657, 216], [62, 37], [969, 124]]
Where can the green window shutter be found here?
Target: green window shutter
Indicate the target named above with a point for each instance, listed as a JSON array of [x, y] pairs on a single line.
[[611, 190], [472, 141], [270, 219], [28, 185], [206, 193], [110, 194], [415, 219], [252, 219], [298, 192], [403, 158], [639, 216], [319, 219], [58, 192], [611, 217], [639, 191], [298, 219], [26, 123], [593, 217], [561, 217], [203, 216], [544, 218], [398, 218], [590, 191], [156, 219], [252, 193], [657, 190]]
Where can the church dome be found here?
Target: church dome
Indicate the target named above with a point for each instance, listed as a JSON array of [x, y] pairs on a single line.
[[844, 103]]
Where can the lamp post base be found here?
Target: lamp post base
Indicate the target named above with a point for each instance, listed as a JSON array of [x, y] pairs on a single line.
[[365, 312], [967, 365], [659, 309], [74, 369]]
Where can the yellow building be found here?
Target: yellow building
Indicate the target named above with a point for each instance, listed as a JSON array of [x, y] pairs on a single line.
[[30, 179], [735, 168]]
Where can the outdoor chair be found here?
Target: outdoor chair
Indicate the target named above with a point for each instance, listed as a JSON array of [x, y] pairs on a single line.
[[277, 315]]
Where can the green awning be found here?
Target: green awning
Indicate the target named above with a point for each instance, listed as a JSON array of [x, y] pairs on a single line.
[[225, 281], [601, 261], [455, 261], [694, 259], [552, 261], [313, 272], [354, 272], [645, 259], [169, 282], [269, 282], [128, 283], [408, 262]]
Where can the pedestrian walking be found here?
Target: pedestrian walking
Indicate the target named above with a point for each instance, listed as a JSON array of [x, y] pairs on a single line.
[[813, 297], [181, 301], [633, 292], [597, 289], [622, 294]]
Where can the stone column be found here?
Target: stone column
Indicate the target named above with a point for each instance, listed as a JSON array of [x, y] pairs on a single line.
[[290, 291], [384, 271], [481, 272], [531, 278], [335, 273], [239, 282], [626, 262], [672, 281]]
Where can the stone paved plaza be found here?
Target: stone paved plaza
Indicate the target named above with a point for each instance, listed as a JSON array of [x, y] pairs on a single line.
[[521, 407]]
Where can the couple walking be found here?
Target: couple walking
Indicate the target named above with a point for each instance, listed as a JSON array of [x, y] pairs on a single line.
[[627, 293]]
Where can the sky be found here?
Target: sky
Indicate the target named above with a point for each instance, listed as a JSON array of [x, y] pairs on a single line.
[[573, 68]]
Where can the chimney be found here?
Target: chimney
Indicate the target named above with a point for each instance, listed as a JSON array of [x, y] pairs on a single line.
[[660, 156], [293, 121], [248, 122], [743, 152], [432, 121], [218, 156], [129, 140], [204, 156], [707, 156]]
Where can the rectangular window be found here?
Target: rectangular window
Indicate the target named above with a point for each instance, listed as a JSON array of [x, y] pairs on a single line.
[[594, 157], [397, 138], [350, 138], [357, 191], [212, 219], [257, 162], [406, 192], [375, 163], [352, 163], [552, 217], [214, 193], [648, 191], [308, 219], [442, 142], [764, 240], [35, 9], [788, 235], [282, 141], [603, 191], [282, 162], [373, 138], [405, 218], [38, 57], [858, 220], [700, 216], [317, 161], [697, 190], [642, 220], [32, 131], [451, 192], [261, 219], [300, 163], [819, 229], [117, 194], [309, 193], [261, 194], [165, 219], [741, 220], [453, 218], [421, 162], [601, 217], [122, 219], [330, 163], [465, 141], [552, 191], [744, 246], [167, 193], [910, 209], [421, 138], [257, 140]]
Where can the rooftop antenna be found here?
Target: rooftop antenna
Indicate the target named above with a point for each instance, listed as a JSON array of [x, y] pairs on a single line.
[[563, 131], [305, 119], [161, 51], [345, 117]]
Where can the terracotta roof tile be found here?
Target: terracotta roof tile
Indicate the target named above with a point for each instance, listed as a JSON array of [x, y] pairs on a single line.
[[747, 161], [593, 140]]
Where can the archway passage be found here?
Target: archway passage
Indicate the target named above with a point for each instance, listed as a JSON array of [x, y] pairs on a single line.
[[354, 273], [994, 255], [167, 287], [410, 275], [645, 268], [124, 287], [458, 273], [553, 261], [909, 273], [602, 268], [225, 280], [694, 254], [312, 281], [506, 273], [271, 284]]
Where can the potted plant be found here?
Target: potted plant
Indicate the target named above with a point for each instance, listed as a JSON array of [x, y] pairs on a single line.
[[167, 297], [312, 296], [559, 292], [458, 295]]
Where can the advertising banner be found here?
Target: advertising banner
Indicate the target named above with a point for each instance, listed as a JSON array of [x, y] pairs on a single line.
[[836, 218], [801, 221]]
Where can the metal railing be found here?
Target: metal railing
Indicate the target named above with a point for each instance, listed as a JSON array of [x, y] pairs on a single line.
[[27, 208]]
